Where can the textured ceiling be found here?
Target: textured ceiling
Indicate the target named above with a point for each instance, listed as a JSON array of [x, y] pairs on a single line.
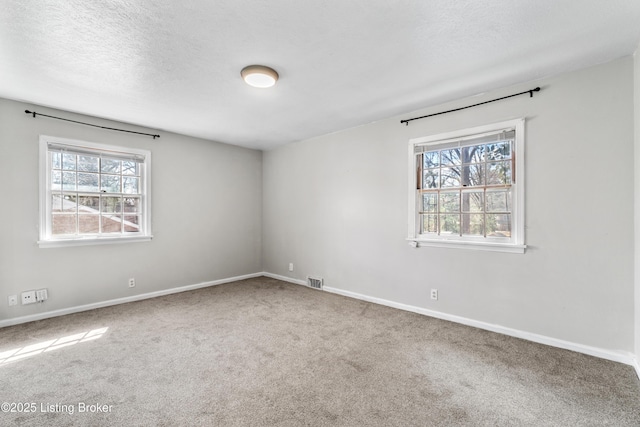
[[175, 66]]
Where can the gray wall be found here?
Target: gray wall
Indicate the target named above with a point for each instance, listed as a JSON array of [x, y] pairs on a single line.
[[206, 216], [336, 206]]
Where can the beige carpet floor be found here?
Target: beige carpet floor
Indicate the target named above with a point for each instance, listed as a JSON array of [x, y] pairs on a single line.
[[261, 352]]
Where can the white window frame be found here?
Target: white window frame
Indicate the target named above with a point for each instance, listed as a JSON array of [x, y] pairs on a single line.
[[514, 244], [47, 240]]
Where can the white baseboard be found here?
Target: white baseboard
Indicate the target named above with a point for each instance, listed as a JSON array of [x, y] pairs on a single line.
[[616, 356], [77, 309], [285, 278], [637, 366]]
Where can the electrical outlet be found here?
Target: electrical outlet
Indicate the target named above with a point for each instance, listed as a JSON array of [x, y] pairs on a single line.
[[434, 294], [132, 283], [28, 297], [290, 266], [13, 300]]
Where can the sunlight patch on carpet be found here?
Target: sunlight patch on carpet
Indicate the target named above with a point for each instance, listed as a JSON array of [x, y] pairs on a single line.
[[50, 345]]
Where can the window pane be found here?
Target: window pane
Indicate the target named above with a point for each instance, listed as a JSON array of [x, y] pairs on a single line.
[[56, 160], [69, 203], [89, 224], [498, 225], [130, 185], [431, 159], [499, 201], [68, 180], [56, 203], [430, 202], [88, 163], [499, 151], [111, 204], [130, 167], [69, 162], [56, 180], [132, 204], [450, 202], [111, 224], [89, 204], [472, 176], [429, 224], [88, 182], [450, 224], [110, 166], [472, 154], [450, 177], [450, 157], [499, 173], [63, 224], [472, 201], [473, 224], [430, 178], [110, 183], [132, 223]]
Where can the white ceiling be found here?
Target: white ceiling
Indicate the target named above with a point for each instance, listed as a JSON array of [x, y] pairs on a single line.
[[175, 65]]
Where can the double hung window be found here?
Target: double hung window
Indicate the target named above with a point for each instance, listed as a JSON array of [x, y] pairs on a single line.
[[92, 193], [466, 188]]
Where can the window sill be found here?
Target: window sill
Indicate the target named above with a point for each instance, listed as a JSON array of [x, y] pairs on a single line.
[[62, 243], [477, 246]]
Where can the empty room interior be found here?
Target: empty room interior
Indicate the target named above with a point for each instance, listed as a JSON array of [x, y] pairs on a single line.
[[320, 213]]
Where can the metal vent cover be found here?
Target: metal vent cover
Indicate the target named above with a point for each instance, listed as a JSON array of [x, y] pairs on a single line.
[[314, 282]]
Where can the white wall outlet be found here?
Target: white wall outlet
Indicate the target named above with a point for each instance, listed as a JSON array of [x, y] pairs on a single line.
[[132, 283], [434, 294], [28, 297], [290, 266], [13, 300]]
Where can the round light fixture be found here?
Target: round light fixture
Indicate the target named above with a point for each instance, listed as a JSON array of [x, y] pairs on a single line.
[[259, 76]]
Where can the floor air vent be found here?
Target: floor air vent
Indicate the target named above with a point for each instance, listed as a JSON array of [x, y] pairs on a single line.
[[314, 282]]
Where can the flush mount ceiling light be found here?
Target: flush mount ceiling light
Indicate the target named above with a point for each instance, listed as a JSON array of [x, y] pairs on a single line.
[[259, 76]]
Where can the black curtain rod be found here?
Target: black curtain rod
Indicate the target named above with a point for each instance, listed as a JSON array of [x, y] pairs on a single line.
[[530, 92], [89, 124]]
